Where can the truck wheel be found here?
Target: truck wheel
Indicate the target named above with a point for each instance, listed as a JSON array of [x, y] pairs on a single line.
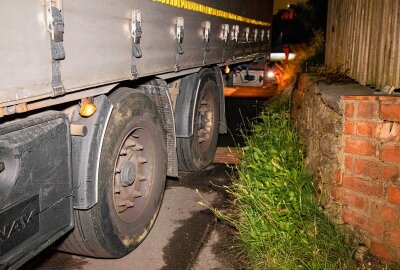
[[198, 151], [132, 173]]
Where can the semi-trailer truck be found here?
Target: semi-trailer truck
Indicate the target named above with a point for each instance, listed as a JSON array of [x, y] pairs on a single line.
[[100, 101]]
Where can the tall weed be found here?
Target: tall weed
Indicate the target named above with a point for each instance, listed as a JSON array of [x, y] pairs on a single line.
[[280, 224]]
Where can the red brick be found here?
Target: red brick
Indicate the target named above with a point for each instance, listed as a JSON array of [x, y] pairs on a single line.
[[353, 201], [390, 152], [338, 177], [360, 97], [362, 187], [368, 167], [388, 215], [381, 212], [388, 98], [394, 195], [391, 173], [379, 250], [375, 229], [348, 163], [359, 146], [394, 237], [348, 128], [352, 218], [376, 169], [365, 129], [349, 110], [390, 112], [367, 110]]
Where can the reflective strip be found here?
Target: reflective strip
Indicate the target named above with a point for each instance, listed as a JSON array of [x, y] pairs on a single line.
[[193, 6]]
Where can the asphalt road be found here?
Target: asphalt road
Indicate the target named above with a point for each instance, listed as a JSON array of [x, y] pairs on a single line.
[[181, 230]]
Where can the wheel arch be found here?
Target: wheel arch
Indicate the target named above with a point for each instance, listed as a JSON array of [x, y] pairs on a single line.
[[187, 101], [86, 149]]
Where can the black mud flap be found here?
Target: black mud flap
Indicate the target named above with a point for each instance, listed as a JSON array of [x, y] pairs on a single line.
[[35, 186]]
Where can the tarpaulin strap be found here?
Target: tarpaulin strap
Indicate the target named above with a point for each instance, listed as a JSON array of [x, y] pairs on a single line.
[[57, 51]]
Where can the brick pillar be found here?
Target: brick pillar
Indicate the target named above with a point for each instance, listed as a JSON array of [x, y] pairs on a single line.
[[368, 185]]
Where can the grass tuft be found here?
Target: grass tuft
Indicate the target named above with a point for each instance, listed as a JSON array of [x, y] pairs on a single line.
[[280, 223]]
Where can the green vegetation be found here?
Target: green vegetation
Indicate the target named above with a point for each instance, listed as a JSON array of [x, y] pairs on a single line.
[[279, 221]]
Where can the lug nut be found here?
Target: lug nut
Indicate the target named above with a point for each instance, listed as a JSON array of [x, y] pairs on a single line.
[[136, 194], [138, 147], [141, 177], [130, 143], [142, 160]]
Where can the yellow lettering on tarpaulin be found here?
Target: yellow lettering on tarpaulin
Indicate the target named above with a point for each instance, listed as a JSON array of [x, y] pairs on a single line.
[[193, 6]]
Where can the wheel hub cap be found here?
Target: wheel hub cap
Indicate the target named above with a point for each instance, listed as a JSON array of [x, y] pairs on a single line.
[[128, 173]]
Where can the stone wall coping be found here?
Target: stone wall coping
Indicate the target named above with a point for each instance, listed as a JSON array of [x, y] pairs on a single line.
[[332, 94]]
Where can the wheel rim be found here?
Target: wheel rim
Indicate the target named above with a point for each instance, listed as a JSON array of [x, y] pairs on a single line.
[[133, 177], [205, 120]]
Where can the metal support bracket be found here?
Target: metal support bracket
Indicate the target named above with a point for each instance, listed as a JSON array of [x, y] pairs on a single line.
[[247, 33], [206, 39], [234, 36], [206, 35], [180, 33], [136, 34], [235, 33], [255, 32], [55, 26], [224, 36], [225, 32]]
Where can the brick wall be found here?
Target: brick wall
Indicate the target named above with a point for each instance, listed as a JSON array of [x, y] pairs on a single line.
[[353, 151], [367, 184]]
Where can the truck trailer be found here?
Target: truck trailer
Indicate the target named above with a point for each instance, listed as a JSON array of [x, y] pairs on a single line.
[[100, 101]]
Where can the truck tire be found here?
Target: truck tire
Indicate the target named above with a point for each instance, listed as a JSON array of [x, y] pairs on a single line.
[[198, 151], [132, 173]]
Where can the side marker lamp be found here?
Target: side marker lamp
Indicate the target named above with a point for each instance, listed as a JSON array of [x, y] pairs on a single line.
[[87, 107], [227, 69]]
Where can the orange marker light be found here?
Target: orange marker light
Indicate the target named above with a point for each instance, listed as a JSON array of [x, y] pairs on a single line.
[[227, 69], [87, 107]]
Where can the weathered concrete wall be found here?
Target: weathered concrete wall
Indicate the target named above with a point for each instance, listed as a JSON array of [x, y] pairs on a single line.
[[353, 141]]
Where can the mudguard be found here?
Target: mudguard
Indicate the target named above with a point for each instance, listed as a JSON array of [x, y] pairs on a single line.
[[86, 153], [35, 185]]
